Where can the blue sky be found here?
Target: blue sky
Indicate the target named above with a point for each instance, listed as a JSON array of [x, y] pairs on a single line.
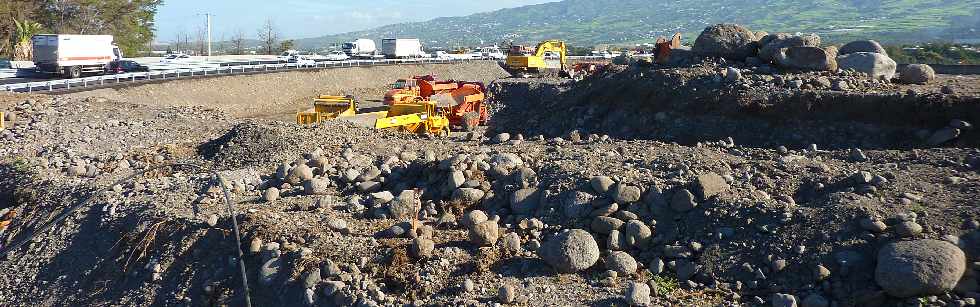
[[308, 18]]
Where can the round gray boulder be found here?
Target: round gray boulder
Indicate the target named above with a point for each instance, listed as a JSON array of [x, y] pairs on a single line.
[[862, 46], [730, 41], [621, 262], [920, 267], [917, 74], [772, 44], [570, 251], [876, 65]]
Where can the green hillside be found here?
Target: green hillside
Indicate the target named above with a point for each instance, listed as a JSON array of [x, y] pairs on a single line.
[[589, 22]]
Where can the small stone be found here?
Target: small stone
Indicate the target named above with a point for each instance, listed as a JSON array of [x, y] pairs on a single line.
[[270, 194], [316, 186], [601, 184], [873, 225], [501, 138], [685, 269], [473, 218], [212, 220], [468, 286], [783, 300], [638, 294], [908, 229], [512, 243], [605, 224], [683, 201], [570, 251], [507, 294], [821, 273], [621, 262], [421, 248], [625, 194], [710, 184], [656, 266], [311, 278], [484, 234]]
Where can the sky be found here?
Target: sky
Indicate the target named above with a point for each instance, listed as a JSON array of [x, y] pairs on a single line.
[[309, 18]]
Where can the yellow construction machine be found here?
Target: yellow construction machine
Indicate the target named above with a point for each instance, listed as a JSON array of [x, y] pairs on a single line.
[[548, 59], [326, 107], [423, 117]]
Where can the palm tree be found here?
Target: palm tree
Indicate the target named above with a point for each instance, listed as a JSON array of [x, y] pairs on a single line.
[[25, 31]]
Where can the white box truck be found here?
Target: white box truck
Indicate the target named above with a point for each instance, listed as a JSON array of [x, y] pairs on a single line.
[[361, 48], [73, 55], [402, 48]]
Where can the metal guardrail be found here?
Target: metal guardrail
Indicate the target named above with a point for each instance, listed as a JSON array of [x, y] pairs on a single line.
[[173, 74]]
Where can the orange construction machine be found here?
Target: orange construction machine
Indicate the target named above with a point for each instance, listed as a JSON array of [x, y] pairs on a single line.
[[463, 102]]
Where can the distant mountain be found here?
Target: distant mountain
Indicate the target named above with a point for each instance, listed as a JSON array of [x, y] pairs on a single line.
[[590, 22]]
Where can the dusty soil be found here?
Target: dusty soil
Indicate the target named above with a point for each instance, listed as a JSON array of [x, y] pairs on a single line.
[[281, 95], [164, 239]]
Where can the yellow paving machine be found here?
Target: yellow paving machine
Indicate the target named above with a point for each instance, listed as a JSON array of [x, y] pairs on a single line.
[[423, 117], [326, 107]]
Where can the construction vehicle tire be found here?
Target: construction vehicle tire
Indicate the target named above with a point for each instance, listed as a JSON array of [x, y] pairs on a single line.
[[470, 121]]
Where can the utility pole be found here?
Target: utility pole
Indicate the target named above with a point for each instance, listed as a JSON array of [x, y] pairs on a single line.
[[209, 34]]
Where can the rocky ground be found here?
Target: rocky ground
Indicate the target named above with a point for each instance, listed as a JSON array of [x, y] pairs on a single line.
[[596, 193]]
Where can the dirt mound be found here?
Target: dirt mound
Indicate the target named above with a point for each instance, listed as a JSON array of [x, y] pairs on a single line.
[[690, 105]]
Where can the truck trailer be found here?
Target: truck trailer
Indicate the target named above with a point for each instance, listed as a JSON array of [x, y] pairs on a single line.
[[402, 48], [73, 55]]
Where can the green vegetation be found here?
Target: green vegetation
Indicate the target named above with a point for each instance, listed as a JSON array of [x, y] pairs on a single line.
[[946, 53], [621, 22], [130, 21], [665, 284]]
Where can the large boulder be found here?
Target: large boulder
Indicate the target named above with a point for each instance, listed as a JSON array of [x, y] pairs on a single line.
[[920, 267], [862, 46], [772, 44], [916, 74], [570, 251], [730, 41], [806, 58], [876, 65]]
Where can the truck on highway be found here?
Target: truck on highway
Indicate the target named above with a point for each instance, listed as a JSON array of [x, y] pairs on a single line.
[[402, 48], [360, 49], [72, 55]]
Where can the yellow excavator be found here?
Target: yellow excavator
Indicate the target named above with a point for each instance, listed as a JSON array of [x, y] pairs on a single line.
[[548, 59], [326, 107]]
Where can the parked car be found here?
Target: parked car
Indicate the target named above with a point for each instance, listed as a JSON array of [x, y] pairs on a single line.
[[123, 66], [302, 61], [175, 58], [337, 56]]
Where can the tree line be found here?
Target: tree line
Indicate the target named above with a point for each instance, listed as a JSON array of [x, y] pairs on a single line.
[[131, 22]]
